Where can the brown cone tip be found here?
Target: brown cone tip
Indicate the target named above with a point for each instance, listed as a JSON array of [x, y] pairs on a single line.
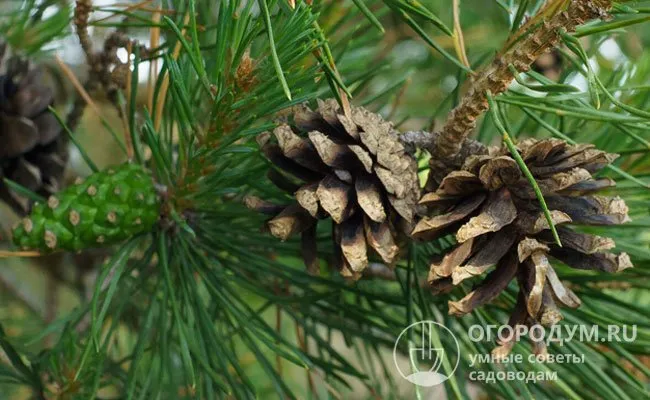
[[350, 168], [33, 152], [503, 233]]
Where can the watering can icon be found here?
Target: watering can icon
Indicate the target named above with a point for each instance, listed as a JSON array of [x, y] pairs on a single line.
[[425, 352], [428, 355], [439, 358]]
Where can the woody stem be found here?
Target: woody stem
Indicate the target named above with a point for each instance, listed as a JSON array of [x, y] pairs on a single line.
[[496, 76]]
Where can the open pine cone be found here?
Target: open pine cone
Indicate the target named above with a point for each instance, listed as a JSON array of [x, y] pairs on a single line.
[[352, 169], [32, 150], [498, 221]]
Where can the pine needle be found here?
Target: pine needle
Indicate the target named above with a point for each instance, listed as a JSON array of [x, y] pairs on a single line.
[[371, 17], [82, 151], [129, 101], [274, 52], [522, 165], [77, 85], [154, 41], [18, 188], [22, 254], [459, 41], [549, 9], [160, 103], [141, 6], [86, 97]]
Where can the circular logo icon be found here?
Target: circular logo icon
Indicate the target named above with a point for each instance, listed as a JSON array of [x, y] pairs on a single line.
[[433, 353]]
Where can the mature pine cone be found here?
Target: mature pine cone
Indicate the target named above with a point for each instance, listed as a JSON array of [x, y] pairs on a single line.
[[32, 149], [498, 221], [352, 169]]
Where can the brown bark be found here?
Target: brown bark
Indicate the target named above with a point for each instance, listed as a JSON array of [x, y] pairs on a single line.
[[495, 77]]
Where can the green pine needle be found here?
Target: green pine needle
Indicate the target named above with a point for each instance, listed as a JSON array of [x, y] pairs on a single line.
[[193, 307], [82, 151], [371, 17], [522, 165], [20, 189], [274, 52]]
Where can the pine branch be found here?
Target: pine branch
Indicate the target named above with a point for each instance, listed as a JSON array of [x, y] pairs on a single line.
[[81, 17], [188, 310], [448, 142]]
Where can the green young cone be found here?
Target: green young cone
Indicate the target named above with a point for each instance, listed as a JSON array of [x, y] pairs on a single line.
[[108, 207]]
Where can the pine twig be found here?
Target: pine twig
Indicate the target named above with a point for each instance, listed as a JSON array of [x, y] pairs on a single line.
[[105, 66], [81, 16], [548, 10], [496, 76]]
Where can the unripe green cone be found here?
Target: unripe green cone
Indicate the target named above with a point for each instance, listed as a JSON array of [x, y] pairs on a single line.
[[106, 208]]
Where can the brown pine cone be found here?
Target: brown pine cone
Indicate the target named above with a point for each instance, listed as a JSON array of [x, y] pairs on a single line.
[[497, 220], [33, 151], [353, 170]]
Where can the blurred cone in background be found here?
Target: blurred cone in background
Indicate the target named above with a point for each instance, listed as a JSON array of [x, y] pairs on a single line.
[[549, 64], [33, 150]]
